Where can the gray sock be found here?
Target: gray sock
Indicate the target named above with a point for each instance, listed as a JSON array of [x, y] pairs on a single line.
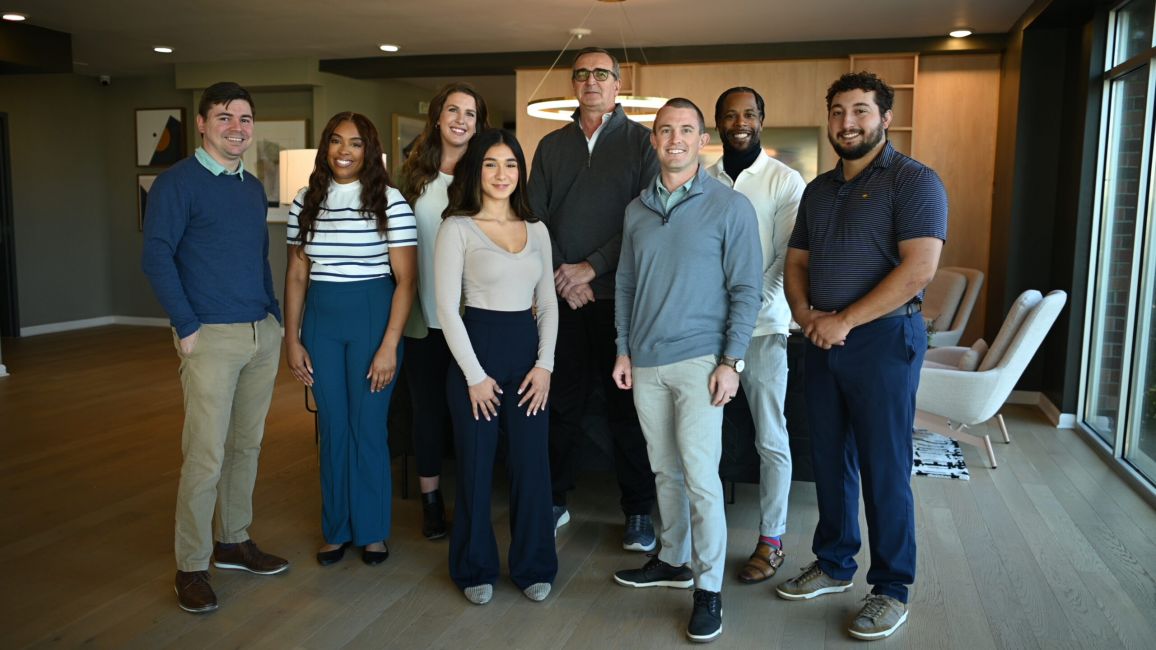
[[481, 594], [537, 591]]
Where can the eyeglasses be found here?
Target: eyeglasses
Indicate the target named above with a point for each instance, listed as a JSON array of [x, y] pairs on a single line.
[[600, 74]]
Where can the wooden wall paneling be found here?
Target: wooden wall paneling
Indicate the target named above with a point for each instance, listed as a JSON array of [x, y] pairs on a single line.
[[955, 134]]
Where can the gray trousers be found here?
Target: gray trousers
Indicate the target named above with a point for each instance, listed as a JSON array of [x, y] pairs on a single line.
[[684, 440], [764, 381]]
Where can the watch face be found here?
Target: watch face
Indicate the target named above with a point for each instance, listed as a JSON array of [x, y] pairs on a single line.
[[740, 365]]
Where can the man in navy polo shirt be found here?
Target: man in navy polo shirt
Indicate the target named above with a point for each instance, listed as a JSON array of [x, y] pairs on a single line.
[[866, 242]]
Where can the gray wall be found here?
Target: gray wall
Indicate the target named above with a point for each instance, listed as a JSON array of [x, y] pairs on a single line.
[[59, 195]]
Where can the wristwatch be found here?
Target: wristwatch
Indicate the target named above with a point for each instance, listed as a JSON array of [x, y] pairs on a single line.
[[737, 364]]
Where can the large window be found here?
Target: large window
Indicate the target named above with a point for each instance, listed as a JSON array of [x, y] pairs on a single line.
[[1119, 402]]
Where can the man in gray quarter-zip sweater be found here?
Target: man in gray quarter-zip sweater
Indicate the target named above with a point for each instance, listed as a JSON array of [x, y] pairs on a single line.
[[689, 287], [583, 176]]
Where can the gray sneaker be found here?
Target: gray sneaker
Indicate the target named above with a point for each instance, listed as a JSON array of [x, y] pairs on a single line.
[[639, 534], [881, 615], [810, 583]]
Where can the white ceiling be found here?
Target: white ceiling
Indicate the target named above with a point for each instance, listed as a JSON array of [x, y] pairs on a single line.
[[116, 36]]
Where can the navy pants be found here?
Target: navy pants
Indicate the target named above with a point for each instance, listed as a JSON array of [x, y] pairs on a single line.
[[426, 362], [860, 410], [342, 329], [507, 347]]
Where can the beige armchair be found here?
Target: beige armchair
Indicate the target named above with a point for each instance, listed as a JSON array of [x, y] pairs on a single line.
[[962, 387], [948, 302]]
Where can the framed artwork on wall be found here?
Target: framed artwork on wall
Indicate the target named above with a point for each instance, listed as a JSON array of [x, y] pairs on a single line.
[[160, 136], [263, 158], [144, 185]]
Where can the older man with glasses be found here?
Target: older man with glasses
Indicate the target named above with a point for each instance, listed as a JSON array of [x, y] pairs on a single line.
[[584, 174]]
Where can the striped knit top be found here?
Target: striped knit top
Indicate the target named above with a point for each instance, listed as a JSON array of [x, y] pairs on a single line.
[[346, 246]]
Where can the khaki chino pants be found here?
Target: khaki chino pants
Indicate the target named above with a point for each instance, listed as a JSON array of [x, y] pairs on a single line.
[[228, 383]]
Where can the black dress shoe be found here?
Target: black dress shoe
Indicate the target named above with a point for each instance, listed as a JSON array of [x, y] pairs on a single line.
[[325, 558], [374, 557]]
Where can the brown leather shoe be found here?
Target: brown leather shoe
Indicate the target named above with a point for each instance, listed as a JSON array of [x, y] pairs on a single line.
[[247, 557], [763, 563], [194, 593]]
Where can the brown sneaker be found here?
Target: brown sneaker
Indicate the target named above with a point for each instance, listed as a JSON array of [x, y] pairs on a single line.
[[812, 582], [880, 617], [247, 557], [194, 593], [764, 562]]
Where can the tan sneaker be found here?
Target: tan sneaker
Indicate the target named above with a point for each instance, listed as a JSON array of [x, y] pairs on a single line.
[[880, 616], [810, 583]]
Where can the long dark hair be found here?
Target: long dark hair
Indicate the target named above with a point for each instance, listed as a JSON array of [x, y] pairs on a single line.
[[425, 159], [465, 193], [374, 177]]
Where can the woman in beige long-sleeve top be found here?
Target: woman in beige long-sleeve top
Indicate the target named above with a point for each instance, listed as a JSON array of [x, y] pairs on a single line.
[[494, 255]]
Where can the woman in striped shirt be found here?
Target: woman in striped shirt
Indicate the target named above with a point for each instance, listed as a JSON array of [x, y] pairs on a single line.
[[349, 287]]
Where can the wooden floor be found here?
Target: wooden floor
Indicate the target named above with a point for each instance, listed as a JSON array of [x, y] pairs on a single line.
[[1051, 550]]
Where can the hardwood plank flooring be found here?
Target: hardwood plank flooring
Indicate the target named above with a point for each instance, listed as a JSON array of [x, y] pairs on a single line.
[[1052, 550]]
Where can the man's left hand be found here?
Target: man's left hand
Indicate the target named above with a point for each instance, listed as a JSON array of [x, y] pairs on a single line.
[[578, 296], [723, 385], [569, 275], [827, 330]]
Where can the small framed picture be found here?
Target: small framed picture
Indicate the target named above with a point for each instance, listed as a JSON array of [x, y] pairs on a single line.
[[144, 185], [160, 136]]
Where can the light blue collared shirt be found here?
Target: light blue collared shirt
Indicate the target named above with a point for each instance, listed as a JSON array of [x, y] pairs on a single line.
[[670, 199], [215, 168]]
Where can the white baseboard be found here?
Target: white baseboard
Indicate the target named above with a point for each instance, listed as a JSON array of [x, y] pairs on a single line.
[[85, 323], [1035, 398]]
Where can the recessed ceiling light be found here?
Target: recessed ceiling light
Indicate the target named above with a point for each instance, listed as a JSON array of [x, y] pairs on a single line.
[[959, 33], [388, 47], [14, 17], [161, 49]]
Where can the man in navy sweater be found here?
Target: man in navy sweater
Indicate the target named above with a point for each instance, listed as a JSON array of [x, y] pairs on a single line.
[[206, 254]]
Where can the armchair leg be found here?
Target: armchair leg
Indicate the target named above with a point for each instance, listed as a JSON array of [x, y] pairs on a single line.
[[1003, 428], [941, 426]]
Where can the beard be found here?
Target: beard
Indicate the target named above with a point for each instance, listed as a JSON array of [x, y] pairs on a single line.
[[870, 140], [752, 143]]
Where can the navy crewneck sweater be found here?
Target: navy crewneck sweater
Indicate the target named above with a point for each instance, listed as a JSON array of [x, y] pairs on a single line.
[[206, 248]]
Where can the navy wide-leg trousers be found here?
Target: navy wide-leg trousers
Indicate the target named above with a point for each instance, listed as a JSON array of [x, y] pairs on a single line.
[[506, 344]]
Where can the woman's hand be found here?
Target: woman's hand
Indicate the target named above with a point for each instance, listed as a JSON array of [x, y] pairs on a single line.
[[485, 397], [299, 362], [382, 368], [534, 390]]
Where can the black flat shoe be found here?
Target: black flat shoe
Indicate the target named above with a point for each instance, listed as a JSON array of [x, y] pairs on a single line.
[[325, 558], [374, 557]]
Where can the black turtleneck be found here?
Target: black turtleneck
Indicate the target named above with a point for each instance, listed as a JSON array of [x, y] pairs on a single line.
[[735, 161]]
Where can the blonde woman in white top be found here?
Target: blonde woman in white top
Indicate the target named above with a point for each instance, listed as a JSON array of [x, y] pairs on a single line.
[[455, 114], [494, 255]]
